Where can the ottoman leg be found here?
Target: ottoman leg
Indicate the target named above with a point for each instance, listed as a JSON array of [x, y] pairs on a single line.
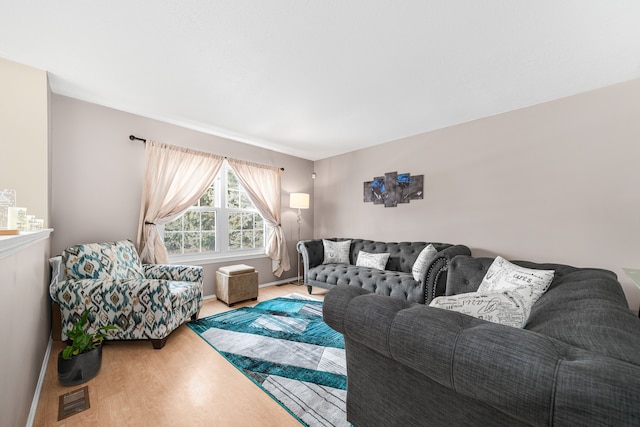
[[309, 289]]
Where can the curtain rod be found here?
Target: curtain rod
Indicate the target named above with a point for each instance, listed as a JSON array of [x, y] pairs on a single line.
[[135, 138]]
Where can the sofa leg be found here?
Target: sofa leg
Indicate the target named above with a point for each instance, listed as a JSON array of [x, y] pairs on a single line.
[[309, 289], [195, 315], [158, 344]]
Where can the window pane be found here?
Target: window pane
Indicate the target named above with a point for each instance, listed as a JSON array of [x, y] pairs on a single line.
[[247, 221], [247, 239], [232, 180], [208, 198], [245, 201], [259, 238], [175, 225], [234, 240], [191, 243], [208, 242], [235, 221], [192, 220], [233, 199], [173, 242], [208, 221]]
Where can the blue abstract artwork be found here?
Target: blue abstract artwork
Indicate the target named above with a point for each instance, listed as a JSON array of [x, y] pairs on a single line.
[[393, 188]]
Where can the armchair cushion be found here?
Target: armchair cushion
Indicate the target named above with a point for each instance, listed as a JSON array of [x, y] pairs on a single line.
[[115, 260], [182, 273]]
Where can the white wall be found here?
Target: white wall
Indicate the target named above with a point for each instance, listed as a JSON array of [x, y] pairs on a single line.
[[24, 131], [97, 175], [557, 182]]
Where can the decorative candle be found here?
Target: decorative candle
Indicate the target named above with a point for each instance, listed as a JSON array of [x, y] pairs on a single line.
[[7, 199], [30, 222], [17, 218], [38, 224]]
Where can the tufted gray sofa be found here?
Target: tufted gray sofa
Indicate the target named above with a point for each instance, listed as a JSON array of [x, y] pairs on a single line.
[[576, 362], [396, 280]]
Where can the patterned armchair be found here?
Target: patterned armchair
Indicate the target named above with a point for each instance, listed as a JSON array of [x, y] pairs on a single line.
[[143, 301]]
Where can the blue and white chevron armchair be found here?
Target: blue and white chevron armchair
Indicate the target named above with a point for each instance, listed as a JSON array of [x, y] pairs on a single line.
[[144, 301]]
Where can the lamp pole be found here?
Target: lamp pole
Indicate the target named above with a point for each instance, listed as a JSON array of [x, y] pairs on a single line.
[[299, 201]]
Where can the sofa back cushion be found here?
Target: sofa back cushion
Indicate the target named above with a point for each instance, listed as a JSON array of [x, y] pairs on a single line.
[[112, 260], [402, 255], [583, 307], [465, 273]]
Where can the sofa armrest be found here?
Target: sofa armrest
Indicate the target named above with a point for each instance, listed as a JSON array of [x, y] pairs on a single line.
[[336, 304], [531, 377], [436, 275], [312, 252], [181, 273]]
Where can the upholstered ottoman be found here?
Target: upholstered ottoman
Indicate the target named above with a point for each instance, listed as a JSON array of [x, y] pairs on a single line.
[[236, 283]]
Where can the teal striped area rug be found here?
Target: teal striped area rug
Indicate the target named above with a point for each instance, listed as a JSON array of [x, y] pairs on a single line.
[[285, 348]]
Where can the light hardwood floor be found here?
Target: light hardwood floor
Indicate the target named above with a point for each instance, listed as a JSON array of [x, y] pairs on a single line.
[[187, 383]]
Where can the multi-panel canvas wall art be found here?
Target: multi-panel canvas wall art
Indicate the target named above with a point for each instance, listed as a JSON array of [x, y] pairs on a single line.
[[393, 188]]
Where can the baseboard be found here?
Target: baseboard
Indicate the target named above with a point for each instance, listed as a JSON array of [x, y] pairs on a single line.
[[279, 282], [36, 394]]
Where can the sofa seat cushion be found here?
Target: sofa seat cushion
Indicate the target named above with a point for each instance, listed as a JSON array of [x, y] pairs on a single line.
[[390, 283]]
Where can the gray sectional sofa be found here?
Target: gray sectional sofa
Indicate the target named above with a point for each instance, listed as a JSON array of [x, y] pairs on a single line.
[[575, 363], [396, 280]]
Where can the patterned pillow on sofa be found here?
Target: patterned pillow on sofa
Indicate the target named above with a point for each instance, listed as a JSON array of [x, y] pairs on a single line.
[[336, 252], [115, 260]]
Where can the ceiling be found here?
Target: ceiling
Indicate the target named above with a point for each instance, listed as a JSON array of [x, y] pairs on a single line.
[[317, 78]]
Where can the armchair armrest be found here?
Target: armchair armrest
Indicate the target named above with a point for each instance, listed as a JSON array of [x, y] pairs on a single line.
[[129, 304], [181, 273], [436, 276]]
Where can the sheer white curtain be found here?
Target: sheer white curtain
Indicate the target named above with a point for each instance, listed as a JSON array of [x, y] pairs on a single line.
[[174, 179], [262, 183]]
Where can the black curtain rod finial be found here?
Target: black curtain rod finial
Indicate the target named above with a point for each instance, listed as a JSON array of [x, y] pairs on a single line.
[[135, 138]]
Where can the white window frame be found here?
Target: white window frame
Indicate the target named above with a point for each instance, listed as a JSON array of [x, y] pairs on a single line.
[[222, 229]]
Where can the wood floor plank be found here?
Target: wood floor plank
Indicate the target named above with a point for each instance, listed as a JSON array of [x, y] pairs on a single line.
[[185, 383]]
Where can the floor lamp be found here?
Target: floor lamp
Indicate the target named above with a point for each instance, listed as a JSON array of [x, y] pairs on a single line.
[[299, 201]]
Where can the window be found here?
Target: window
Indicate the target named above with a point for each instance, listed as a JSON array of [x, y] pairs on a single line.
[[223, 221]]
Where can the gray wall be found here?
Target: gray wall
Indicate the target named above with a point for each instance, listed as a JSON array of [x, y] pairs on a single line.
[[555, 182], [97, 175]]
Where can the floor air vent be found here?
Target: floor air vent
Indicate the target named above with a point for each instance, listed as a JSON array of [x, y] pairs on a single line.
[[73, 402]]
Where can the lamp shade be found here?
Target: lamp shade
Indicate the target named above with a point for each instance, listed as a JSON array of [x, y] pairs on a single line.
[[299, 201]]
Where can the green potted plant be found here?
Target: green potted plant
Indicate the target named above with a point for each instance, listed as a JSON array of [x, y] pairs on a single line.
[[80, 361]]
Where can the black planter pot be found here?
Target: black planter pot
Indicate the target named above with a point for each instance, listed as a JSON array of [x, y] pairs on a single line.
[[80, 368]]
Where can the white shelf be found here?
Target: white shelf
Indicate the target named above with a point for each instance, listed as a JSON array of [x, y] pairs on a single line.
[[12, 244]]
